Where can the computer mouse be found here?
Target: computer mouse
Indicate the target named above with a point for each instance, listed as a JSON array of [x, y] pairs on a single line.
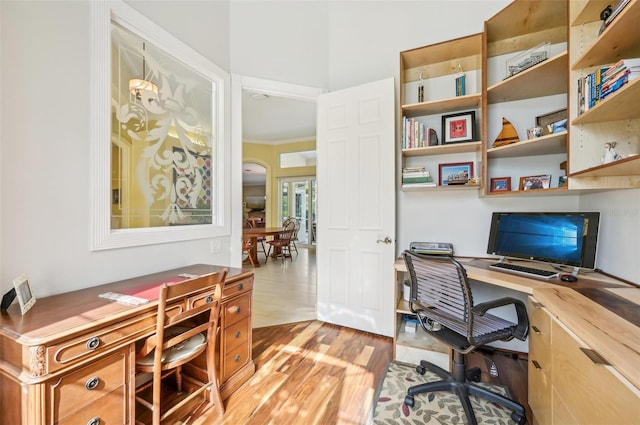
[[568, 278]]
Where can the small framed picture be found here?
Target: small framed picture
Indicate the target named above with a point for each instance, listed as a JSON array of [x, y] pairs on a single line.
[[455, 173], [459, 127], [535, 182], [24, 293], [501, 184]]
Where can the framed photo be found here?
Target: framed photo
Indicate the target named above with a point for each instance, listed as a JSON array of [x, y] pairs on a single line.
[[23, 292], [501, 184], [455, 173], [535, 182], [459, 127], [553, 122]]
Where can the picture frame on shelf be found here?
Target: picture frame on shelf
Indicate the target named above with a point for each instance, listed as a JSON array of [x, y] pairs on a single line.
[[553, 122], [455, 173], [500, 184], [459, 127], [542, 181], [25, 296]]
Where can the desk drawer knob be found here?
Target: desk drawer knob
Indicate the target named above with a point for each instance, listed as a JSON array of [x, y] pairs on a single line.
[[241, 287], [536, 365], [535, 329], [237, 358], [208, 299], [237, 334], [94, 421], [92, 383], [238, 310], [93, 343]]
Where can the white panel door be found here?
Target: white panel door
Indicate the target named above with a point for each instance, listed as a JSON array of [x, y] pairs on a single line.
[[356, 207]]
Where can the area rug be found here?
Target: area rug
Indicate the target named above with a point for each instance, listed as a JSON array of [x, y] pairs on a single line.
[[431, 408]]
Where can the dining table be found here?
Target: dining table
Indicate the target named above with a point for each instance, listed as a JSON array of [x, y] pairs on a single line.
[[253, 233]]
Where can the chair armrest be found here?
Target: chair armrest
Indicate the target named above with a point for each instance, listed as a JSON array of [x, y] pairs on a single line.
[[522, 327]]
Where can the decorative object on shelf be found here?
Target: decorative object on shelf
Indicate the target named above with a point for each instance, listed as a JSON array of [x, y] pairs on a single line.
[[420, 89], [562, 181], [535, 182], [607, 15], [501, 184], [507, 135], [459, 127], [24, 293], [553, 122], [534, 132], [610, 153], [455, 173], [604, 15], [460, 82], [527, 59]]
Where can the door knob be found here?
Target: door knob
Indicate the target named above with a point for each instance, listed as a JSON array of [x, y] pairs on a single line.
[[386, 240]]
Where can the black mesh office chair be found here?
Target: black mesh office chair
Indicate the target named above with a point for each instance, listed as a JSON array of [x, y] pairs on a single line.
[[442, 301]]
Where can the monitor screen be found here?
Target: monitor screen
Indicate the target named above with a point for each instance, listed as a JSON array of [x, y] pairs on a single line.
[[565, 238]]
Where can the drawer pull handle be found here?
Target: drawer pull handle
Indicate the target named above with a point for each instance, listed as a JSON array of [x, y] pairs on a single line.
[[536, 365], [594, 356], [92, 383], [94, 421], [93, 343], [535, 329], [241, 287], [237, 358], [209, 298], [238, 309], [237, 334]]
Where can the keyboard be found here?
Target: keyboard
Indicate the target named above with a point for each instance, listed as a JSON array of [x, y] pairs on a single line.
[[523, 270]]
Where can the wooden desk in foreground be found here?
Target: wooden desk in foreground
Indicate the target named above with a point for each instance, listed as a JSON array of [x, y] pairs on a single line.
[[584, 344], [49, 356]]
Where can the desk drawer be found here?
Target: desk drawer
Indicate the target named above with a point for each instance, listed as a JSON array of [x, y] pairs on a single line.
[[108, 410], [236, 309], [98, 341], [88, 384], [234, 360], [236, 334], [239, 287]]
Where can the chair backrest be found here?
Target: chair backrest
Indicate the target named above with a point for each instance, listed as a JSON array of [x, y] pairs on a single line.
[[182, 302], [440, 292], [288, 231]]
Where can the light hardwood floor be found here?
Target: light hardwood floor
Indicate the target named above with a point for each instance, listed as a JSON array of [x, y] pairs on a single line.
[[285, 292]]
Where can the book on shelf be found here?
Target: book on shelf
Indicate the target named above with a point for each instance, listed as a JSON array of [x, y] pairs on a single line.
[[598, 85], [416, 175], [615, 12], [417, 135], [460, 85]]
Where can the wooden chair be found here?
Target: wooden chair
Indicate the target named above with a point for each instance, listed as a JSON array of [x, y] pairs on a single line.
[[186, 328], [283, 241], [246, 249], [294, 238]]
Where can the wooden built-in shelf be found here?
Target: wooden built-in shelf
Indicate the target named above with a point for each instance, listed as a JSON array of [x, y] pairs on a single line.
[[545, 145], [470, 101], [621, 105], [616, 42], [526, 84], [590, 11], [554, 191], [407, 188], [449, 148], [623, 167]]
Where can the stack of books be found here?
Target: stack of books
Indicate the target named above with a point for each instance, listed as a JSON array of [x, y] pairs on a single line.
[[603, 82], [416, 135], [417, 176]]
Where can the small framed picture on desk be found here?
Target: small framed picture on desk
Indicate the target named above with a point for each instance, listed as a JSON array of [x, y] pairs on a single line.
[[24, 293]]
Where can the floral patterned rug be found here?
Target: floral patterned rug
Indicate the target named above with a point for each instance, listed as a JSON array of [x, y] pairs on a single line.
[[430, 408]]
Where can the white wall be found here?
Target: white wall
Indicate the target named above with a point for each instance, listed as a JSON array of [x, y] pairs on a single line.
[[45, 144]]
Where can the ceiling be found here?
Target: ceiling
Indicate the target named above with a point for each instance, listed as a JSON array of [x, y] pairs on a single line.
[[274, 120]]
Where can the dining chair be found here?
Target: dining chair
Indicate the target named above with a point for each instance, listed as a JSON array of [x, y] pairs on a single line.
[[282, 243], [246, 249], [187, 322]]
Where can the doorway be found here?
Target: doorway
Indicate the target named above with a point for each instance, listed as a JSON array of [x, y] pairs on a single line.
[[298, 198]]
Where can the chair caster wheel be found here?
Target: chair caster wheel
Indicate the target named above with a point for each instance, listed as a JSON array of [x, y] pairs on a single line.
[[516, 417], [421, 369], [409, 401]]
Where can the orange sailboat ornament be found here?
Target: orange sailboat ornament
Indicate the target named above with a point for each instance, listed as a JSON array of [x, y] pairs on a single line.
[[507, 136]]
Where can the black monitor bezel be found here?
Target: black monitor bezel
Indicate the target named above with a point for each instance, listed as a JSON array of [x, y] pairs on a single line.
[[589, 245]]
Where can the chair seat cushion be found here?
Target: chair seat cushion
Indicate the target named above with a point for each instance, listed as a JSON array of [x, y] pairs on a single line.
[[177, 352]]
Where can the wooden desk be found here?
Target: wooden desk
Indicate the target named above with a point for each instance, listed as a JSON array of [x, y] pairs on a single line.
[[596, 314], [254, 233], [48, 355]]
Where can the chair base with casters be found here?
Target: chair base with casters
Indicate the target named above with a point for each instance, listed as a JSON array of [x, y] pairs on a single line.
[[443, 303]]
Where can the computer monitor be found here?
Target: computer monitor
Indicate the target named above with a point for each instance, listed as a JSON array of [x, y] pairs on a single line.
[[562, 238]]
